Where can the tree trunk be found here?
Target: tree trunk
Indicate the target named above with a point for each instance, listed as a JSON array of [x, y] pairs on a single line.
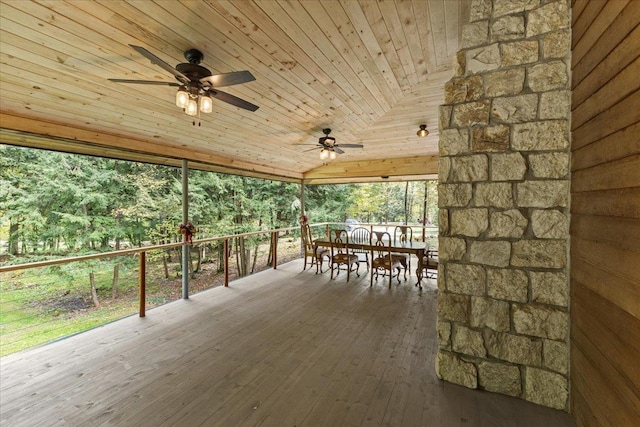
[[241, 257], [255, 258], [270, 255], [87, 230], [13, 237], [114, 285], [220, 250], [198, 259], [194, 270], [165, 265], [94, 293]]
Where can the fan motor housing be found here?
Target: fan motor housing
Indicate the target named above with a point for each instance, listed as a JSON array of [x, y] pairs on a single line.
[[193, 71], [194, 56]]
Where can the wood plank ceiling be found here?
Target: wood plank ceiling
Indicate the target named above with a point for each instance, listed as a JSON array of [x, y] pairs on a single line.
[[372, 71]]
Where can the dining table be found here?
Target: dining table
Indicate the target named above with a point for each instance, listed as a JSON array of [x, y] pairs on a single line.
[[397, 246]]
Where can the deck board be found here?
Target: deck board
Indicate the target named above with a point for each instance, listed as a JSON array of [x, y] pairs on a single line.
[[280, 348]]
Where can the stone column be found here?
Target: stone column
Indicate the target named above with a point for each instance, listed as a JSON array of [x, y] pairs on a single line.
[[503, 322]]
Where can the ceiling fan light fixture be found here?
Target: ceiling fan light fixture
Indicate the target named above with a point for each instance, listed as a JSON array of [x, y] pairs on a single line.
[[192, 108], [332, 155], [423, 131], [324, 154], [206, 103], [182, 97]]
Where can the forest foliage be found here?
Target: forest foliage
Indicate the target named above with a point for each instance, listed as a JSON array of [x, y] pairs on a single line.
[[57, 203]]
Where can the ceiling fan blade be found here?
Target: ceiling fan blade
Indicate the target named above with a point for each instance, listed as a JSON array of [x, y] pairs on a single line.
[[229, 79], [145, 82], [310, 149], [351, 145], [337, 150], [159, 62], [232, 99]]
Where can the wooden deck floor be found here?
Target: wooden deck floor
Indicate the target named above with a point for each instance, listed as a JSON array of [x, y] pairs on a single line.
[[280, 348]]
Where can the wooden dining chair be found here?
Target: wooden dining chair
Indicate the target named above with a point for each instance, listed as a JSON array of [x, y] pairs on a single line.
[[316, 253], [382, 260], [340, 254], [361, 235], [403, 234], [427, 266]]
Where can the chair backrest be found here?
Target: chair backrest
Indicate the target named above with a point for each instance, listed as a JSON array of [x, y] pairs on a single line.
[[380, 244], [307, 238], [430, 259], [360, 235], [339, 239], [403, 234]]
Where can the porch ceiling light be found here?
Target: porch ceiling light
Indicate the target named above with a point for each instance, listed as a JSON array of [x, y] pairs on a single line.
[[193, 101], [423, 131], [182, 97], [328, 153]]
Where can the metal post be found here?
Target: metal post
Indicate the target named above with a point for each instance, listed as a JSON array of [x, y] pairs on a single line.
[[424, 209], [226, 262], [303, 211], [274, 242], [302, 207], [185, 219], [142, 281]]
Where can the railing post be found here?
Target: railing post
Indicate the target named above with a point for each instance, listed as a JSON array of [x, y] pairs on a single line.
[[226, 263], [274, 242], [143, 283], [186, 257]]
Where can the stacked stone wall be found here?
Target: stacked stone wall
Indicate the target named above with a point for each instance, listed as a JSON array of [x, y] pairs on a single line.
[[503, 320]]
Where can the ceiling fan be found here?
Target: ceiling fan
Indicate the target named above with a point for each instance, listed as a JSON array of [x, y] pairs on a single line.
[[329, 148], [197, 86]]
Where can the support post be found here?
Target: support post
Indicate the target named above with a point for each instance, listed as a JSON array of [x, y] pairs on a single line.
[[274, 242], [303, 211], [142, 282], [185, 218], [226, 263], [424, 210]]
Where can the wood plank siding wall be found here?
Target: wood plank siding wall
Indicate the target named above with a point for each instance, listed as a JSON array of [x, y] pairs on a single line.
[[605, 213]]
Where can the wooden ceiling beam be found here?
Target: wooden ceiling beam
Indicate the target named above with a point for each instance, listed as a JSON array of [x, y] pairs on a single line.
[[395, 169], [17, 130]]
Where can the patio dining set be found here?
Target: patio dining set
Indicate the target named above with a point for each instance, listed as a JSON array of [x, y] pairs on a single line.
[[383, 253]]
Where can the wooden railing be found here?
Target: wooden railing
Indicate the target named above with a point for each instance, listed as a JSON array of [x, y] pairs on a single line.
[[142, 251]]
